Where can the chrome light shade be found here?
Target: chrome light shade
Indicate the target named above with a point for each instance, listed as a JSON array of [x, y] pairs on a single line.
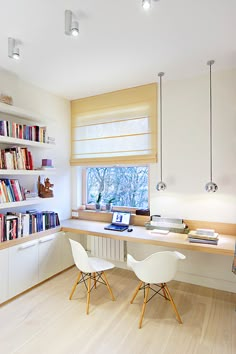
[[161, 186], [211, 187]]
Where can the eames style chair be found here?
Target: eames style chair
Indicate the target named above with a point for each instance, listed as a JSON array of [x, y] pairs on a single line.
[[90, 268], [156, 270]]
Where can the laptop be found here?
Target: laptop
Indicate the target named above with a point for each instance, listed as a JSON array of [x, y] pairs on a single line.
[[120, 221]]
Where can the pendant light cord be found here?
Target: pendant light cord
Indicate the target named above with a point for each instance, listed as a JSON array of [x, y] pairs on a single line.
[[160, 75], [161, 126], [210, 63]]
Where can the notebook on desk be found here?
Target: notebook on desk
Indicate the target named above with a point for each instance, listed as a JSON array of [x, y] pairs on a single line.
[[120, 221]]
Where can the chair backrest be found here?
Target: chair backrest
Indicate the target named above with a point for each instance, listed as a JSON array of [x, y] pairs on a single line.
[[158, 268], [80, 257]]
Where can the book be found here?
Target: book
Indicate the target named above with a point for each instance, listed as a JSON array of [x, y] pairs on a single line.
[[209, 232], [198, 240], [194, 234]]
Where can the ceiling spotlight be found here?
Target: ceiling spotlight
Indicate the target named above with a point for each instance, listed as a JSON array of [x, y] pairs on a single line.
[[13, 51], [146, 4], [161, 186], [211, 186], [71, 27]]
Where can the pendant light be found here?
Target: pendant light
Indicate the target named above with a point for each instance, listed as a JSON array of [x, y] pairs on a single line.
[[211, 186], [161, 186]]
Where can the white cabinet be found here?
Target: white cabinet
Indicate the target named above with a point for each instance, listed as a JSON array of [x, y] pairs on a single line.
[[67, 258], [23, 267], [4, 275], [50, 256]]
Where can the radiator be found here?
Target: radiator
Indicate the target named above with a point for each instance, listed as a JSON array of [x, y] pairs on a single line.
[[108, 248]]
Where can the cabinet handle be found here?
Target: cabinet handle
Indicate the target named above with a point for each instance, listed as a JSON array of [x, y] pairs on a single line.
[[27, 246], [46, 239]]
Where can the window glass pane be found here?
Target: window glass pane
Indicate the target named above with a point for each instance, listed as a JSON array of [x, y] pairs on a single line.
[[127, 186]]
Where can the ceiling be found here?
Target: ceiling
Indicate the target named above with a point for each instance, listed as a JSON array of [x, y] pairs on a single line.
[[120, 45]]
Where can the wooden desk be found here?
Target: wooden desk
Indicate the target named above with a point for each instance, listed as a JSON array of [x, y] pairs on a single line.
[[141, 235]]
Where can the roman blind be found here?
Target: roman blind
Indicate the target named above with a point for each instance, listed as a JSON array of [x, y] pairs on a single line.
[[115, 128]]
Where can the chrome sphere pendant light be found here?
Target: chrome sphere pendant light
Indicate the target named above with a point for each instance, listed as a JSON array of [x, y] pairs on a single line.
[[161, 186], [211, 186]]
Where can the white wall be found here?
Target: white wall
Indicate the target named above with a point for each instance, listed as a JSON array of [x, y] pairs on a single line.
[[186, 150], [56, 111], [186, 168]]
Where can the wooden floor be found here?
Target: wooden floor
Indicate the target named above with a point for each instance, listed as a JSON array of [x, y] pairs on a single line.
[[44, 321]]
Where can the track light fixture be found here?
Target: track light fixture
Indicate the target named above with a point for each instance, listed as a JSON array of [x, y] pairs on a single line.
[[161, 186], [13, 51], [211, 186], [146, 4], [71, 26]]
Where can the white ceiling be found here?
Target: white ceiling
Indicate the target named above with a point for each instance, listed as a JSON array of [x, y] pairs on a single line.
[[120, 45]]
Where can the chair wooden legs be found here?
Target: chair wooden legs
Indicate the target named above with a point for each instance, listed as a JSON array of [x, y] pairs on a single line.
[[173, 305], [108, 286], [95, 281], [166, 294], [88, 294], [144, 305], [74, 286], [136, 292], [89, 277]]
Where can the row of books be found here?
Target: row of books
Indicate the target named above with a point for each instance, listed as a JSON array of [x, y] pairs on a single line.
[[16, 225], [16, 158], [208, 236], [23, 131], [11, 191]]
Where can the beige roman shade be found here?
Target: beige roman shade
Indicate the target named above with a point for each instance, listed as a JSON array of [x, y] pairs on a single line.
[[115, 128]]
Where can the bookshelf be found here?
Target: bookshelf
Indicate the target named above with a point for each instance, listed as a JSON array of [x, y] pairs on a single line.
[[24, 122]]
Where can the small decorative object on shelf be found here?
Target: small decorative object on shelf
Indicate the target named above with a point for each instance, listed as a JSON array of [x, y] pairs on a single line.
[[47, 165], [51, 140], [6, 99], [44, 190]]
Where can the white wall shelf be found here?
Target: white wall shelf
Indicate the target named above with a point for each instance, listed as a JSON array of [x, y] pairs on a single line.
[[22, 203], [27, 172], [22, 113], [22, 142]]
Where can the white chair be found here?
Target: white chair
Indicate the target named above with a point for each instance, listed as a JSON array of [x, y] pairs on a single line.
[[157, 269], [89, 268]]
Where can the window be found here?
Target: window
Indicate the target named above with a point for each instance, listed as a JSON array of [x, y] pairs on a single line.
[[124, 186]]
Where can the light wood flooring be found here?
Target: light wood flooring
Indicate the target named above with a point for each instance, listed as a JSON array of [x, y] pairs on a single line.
[[45, 321]]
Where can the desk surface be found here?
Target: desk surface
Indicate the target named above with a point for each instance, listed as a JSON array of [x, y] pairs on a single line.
[[139, 234]]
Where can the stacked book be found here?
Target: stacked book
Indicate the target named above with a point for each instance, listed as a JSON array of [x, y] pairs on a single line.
[[164, 223], [208, 236]]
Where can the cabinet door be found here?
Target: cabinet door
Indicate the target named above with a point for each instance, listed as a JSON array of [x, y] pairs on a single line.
[[67, 258], [23, 267], [49, 256], [4, 274]]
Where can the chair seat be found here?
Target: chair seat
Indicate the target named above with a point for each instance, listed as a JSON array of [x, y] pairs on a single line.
[[99, 265]]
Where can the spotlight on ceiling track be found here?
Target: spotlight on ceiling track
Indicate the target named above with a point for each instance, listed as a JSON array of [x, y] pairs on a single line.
[[13, 51], [146, 4], [71, 25]]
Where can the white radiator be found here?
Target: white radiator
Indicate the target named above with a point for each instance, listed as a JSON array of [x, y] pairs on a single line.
[[108, 248]]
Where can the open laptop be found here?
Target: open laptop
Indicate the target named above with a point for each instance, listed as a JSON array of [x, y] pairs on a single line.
[[120, 221]]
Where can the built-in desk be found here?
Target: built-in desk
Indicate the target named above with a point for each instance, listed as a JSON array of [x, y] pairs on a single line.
[[139, 234]]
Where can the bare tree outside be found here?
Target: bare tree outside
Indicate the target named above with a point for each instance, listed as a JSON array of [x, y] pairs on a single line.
[[127, 186]]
